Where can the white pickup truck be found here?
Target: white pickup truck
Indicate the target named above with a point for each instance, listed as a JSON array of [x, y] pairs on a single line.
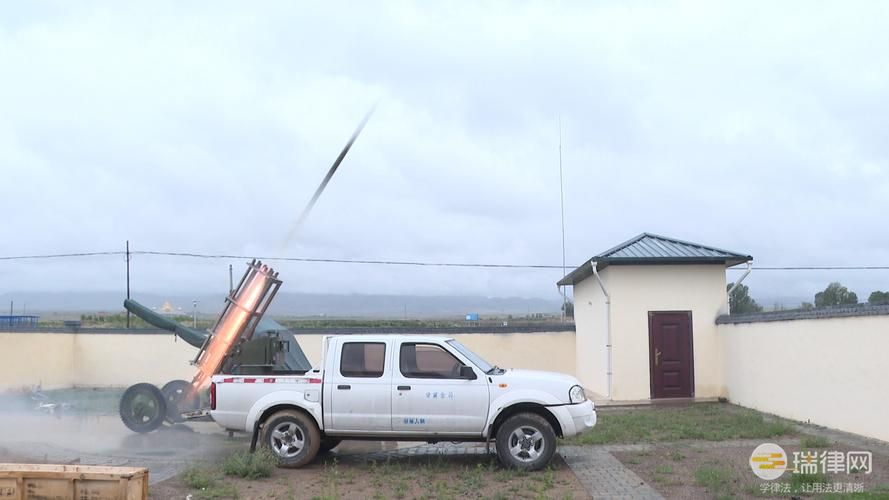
[[404, 388]]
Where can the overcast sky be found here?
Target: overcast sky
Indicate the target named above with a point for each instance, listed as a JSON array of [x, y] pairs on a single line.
[[206, 126]]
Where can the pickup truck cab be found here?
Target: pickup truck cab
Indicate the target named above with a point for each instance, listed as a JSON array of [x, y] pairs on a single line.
[[401, 388]]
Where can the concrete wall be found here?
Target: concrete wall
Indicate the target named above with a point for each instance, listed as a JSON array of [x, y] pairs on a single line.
[[553, 351], [35, 358], [100, 360], [830, 372], [635, 291]]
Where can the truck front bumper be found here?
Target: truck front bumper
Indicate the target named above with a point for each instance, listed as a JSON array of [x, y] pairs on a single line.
[[576, 418]]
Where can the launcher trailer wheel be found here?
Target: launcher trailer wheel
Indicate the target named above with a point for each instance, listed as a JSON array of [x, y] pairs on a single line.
[[143, 408]]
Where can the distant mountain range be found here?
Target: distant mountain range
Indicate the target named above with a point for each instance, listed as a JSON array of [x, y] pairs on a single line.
[[289, 304]]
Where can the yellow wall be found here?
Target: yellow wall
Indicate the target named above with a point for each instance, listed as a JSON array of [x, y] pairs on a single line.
[[634, 291], [552, 351], [125, 359], [591, 354], [827, 371], [104, 360], [36, 358]]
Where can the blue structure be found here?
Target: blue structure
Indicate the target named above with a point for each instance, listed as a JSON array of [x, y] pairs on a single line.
[[472, 317], [18, 321]]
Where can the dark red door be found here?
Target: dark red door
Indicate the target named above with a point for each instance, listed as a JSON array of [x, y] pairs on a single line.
[[671, 360]]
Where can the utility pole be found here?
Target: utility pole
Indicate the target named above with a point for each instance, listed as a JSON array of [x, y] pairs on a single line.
[[194, 314], [128, 281], [562, 204]]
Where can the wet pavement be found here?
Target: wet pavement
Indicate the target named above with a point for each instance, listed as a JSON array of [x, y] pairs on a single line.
[[104, 440]]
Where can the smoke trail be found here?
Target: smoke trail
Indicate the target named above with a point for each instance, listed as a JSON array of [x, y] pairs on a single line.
[[336, 164]]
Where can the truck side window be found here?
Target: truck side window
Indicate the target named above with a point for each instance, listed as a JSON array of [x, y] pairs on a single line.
[[428, 361], [363, 359]]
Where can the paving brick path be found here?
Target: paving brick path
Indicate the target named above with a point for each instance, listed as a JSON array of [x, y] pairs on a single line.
[[603, 476]]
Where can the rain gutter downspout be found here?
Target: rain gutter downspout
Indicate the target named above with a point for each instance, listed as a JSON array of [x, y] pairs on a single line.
[[736, 285], [607, 322]]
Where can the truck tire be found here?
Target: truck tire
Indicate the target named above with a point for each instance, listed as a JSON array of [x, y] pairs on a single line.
[[292, 436], [142, 408], [328, 444], [525, 441]]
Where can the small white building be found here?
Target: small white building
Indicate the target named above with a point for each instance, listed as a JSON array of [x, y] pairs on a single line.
[[646, 314]]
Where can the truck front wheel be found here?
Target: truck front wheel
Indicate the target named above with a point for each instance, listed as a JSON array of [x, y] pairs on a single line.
[[292, 436], [525, 441]]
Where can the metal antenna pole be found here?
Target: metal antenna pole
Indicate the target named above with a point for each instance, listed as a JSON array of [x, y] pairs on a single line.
[[128, 281], [562, 204], [231, 283]]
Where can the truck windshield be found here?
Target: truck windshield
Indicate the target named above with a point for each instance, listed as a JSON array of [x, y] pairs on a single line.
[[475, 358]]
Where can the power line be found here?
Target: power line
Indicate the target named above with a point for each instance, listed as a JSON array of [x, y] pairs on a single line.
[[60, 255], [395, 262], [350, 261]]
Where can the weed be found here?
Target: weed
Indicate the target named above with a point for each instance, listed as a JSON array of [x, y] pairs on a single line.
[[676, 456], [473, 479], [400, 489], [250, 465], [197, 477], [204, 481], [548, 478], [878, 492], [799, 482], [814, 442], [664, 469], [442, 491], [716, 479]]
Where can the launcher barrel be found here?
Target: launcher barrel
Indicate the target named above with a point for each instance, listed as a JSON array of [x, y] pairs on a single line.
[[191, 335]]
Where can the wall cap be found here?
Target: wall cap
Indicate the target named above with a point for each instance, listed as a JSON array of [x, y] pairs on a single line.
[[444, 331], [825, 313]]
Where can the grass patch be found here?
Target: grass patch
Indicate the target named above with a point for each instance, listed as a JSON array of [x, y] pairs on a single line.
[[814, 442], [206, 484], [710, 422], [799, 482], [879, 492], [716, 479], [664, 469], [248, 465], [198, 478]]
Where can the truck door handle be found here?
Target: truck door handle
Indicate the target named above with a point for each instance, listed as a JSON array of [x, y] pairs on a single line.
[[344, 387], [404, 387]]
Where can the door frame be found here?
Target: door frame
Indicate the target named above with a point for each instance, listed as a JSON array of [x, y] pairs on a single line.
[[691, 347]]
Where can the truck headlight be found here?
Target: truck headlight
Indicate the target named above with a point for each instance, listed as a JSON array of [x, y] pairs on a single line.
[[576, 394]]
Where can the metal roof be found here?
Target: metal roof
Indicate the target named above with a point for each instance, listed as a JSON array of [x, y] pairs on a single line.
[[648, 249]]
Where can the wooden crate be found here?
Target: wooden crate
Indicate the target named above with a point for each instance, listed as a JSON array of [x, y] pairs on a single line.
[[72, 482]]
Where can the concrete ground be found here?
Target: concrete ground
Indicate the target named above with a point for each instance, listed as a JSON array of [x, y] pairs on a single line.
[[103, 440]]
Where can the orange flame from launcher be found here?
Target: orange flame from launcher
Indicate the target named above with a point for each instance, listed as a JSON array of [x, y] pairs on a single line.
[[231, 326]]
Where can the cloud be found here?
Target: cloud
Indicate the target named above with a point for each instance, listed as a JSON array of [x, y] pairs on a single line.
[[206, 127]]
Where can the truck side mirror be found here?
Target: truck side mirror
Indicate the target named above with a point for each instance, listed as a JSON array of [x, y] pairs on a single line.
[[466, 372]]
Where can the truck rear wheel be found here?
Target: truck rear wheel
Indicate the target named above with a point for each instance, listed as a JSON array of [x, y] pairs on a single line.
[[292, 436], [180, 399], [525, 441]]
